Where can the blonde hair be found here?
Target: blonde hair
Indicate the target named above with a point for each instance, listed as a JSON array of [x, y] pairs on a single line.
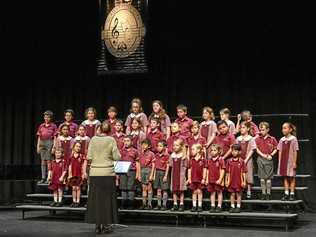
[[210, 111], [264, 124], [199, 147], [181, 143], [292, 127], [217, 147], [195, 123]]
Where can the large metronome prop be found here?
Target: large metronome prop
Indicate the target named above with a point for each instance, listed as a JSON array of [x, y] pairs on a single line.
[[123, 30]]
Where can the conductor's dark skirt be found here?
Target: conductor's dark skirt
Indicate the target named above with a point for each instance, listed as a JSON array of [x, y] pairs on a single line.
[[102, 204]]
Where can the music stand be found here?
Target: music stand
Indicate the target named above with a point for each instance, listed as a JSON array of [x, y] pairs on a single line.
[[121, 167]]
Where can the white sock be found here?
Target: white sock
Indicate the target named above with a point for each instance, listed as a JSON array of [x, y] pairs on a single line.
[[286, 192], [55, 199], [232, 205], [200, 204], [220, 206], [194, 204], [292, 193], [238, 205], [248, 192], [212, 205]]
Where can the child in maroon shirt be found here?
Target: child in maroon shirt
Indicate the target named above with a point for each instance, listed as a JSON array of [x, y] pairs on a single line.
[[127, 181], [77, 173], [160, 113], [235, 178], [136, 112], [146, 171], [91, 123], [175, 134], [197, 176], [56, 176], [46, 133], [154, 134], [248, 146], [161, 182], [83, 139], [69, 115], [288, 148], [246, 116], [224, 139], [208, 127], [215, 174], [112, 113], [225, 114], [178, 162], [184, 121], [136, 133], [118, 135], [64, 141], [196, 138], [266, 149]]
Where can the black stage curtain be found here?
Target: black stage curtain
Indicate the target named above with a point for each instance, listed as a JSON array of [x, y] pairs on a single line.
[[257, 63]]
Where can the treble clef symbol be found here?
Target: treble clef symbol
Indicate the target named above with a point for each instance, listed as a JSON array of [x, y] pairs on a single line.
[[115, 32]]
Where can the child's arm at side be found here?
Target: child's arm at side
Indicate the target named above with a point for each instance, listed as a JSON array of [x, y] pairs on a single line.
[[138, 177], [249, 156], [189, 176], [243, 184], [221, 177], [153, 167], [295, 160], [227, 181], [165, 178]]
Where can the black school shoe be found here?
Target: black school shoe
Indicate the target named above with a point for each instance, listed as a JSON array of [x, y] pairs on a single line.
[[212, 210], [232, 210], [268, 197], [53, 204], [199, 209], [175, 208], [181, 208], [218, 209], [72, 204], [236, 210], [263, 197], [292, 197], [163, 208], [194, 209], [107, 229], [59, 204], [285, 197], [41, 181], [157, 208]]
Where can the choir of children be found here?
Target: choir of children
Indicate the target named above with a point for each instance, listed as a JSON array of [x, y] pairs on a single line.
[[204, 157]]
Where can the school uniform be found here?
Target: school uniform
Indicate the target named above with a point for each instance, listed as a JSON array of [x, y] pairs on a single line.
[[207, 129], [247, 144], [161, 162], [119, 138], [214, 167], [287, 147], [254, 130], [137, 138], [224, 141], [266, 145], [165, 122], [197, 168], [127, 181], [141, 116], [231, 126], [235, 169], [155, 136], [66, 144], [46, 134], [91, 127], [75, 170], [84, 141], [146, 160], [179, 165], [196, 140], [73, 127], [172, 138], [57, 169], [185, 126]]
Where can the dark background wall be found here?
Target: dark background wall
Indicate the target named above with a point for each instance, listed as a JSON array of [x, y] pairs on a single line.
[[198, 55]]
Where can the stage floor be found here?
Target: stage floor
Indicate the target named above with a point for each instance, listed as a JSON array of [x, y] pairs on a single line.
[[38, 225]]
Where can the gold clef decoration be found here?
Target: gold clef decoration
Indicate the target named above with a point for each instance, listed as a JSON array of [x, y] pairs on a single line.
[[123, 30]]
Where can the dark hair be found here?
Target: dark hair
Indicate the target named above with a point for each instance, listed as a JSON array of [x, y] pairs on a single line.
[[64, 125], [112, 109], [163, 142], [221, 122], [69, 111], [138, 121], [129, 137], [105, 127], [49, 113], [155, 119], [76, 143], [90, 109], [247, 124], [146, 141], [162, 112], [236, 147], [182, 107]]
